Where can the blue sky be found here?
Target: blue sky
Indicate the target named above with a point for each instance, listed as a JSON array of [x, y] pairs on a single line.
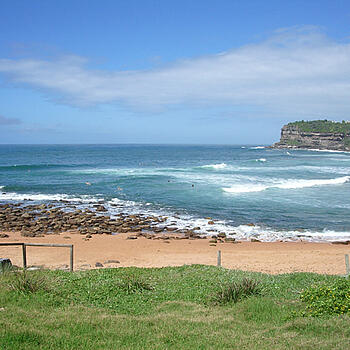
[[222, 72]]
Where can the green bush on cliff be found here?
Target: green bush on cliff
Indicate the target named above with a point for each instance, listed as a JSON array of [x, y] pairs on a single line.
[[322, 126]]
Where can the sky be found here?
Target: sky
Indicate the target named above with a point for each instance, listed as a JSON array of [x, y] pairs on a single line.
[[170, 72]]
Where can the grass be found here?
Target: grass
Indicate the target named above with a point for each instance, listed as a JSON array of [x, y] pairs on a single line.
[[166, 308], [24, 282], [235, 291]]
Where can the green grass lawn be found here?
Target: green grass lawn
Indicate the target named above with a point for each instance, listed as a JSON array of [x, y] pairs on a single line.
[[167, 308]]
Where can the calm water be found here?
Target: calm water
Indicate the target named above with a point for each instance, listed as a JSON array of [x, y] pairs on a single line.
[[286, 194]]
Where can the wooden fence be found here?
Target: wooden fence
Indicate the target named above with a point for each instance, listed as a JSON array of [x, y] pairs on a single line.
[[25, 245]]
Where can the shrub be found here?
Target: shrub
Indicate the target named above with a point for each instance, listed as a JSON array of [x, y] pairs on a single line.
[[322, 126], [132, 284], [327, 299], [24, 282], [235, 291]]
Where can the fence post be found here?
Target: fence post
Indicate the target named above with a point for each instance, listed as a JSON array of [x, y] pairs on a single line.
[[347, 265], [71, 258], [219, 258], [24, 253]]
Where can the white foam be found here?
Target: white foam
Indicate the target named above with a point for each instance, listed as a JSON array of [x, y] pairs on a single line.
[[326, 150], [267, 234], [1, 187], [241, 232], [215, 166], [288, 184], [257, 147], [245, 188], [12, 196], [310, 183], [261, 160]]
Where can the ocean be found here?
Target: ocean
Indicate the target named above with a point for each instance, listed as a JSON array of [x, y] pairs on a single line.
[[248, 191]]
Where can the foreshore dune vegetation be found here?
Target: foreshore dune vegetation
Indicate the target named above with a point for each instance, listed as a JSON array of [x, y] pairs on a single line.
[[188, 307]]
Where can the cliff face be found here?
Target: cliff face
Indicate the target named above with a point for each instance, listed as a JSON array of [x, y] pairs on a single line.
[[293, 137]]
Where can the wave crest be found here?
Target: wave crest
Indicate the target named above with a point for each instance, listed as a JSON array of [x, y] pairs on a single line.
[[289, 184], [12, 196], [214, 166]]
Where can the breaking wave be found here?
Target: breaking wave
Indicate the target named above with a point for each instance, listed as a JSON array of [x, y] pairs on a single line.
[[289, 184], [13, 196], [214, 166]]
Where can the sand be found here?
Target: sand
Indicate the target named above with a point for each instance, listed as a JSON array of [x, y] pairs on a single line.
[[275, 258]]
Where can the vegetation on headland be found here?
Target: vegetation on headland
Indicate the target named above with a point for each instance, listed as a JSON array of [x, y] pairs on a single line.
[[322, 126], [188, 307]]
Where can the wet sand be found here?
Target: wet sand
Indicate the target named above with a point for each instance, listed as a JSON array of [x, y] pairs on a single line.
[[275, 258]]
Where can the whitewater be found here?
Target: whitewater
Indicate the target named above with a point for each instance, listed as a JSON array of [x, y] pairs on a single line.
[[248, 191]]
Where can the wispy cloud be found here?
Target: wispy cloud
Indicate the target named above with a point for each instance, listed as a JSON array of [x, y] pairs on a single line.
[[9, 121], [297, 70]]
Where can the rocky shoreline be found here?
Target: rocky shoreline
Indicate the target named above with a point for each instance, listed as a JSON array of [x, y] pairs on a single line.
[[64, 217], [38, 220]]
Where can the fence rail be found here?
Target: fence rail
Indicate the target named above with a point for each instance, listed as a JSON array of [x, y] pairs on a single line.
[[25, 245]]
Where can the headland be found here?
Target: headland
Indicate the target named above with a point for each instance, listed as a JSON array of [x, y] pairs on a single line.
[[316, 134]]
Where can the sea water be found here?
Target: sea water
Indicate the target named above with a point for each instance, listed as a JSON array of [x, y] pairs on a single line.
[[287, 194]]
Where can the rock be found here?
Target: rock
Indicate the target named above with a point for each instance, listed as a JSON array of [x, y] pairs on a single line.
[[168, 228], [230, 240], [315, 135], [222, 235], [35, 267], [341, 242], [250, 224], [131, 237], [98, 264], [211, 222], [4, 235], [111, 261], [5, 264], [85, 266], [28, 234], [255, 240]]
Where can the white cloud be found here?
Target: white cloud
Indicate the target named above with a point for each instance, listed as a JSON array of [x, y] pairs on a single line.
[[297, 70]]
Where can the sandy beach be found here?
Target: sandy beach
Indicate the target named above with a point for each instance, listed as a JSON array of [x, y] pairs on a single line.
[[118, 251]]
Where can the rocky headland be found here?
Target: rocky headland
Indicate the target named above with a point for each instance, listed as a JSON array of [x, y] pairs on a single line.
[[317, 134]]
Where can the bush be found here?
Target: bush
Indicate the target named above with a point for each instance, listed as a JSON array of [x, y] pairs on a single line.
[[327, 126], [236, 291], [132, 284], [24, 282], [327, 299]]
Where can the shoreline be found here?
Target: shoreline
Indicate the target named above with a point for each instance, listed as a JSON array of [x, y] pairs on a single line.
[[102, 240], [36, 218], [296, 148], [120, 251]]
